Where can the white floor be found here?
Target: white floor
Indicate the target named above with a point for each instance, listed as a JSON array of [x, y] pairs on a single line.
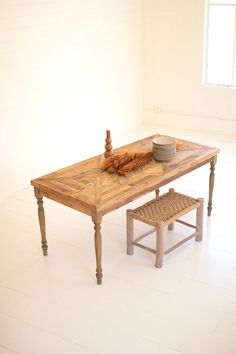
[[52, 305]]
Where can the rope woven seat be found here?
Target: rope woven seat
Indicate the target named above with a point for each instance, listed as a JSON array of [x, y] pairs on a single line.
[[160, 212]]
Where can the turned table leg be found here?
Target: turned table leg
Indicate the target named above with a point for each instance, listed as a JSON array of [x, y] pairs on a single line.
[[211, 183], [129, 232], [41, 217], [98, 248]]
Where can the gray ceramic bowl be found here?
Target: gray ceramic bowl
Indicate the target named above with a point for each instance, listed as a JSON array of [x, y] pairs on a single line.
[[164, 148]]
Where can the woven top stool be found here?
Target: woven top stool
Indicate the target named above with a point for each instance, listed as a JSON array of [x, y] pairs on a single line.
[[160, 212]]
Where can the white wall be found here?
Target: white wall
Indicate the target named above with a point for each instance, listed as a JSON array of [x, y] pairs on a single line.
[[173, 62], [69, 70]]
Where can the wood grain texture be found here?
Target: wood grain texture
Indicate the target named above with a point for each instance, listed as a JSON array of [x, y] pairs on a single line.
[[86, 188], [42, 224], [160, 212], [211, 184]]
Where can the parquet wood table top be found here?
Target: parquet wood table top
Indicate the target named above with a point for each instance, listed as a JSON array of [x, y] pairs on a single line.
[[85, 187]]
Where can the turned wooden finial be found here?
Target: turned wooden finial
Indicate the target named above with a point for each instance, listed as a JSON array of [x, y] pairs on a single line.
[[108, 146]]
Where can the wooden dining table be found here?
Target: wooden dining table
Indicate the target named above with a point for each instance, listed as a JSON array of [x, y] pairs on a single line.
[[87, 188]]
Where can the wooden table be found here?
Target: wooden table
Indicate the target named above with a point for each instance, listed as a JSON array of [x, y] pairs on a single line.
[[86, 188]]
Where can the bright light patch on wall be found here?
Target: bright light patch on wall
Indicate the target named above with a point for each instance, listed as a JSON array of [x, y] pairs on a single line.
[[220, 60]]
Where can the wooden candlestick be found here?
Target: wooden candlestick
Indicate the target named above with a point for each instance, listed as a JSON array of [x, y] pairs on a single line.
[[108, 146]]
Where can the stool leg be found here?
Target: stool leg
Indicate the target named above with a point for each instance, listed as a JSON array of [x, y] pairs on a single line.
[[157, 192], [171, 226], [199, 220], [159, 245], [130, 232]]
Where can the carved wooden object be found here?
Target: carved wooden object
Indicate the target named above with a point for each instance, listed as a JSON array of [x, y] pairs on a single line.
[[130, 232], [41, 217], [108, 146], [87, 189], [98, 248], [211, 183]]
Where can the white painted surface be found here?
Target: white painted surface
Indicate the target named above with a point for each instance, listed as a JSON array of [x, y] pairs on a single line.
[[69, 70], [173, 70], [52, 304]]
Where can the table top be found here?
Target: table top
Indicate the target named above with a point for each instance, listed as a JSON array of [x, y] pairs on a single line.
[[85, 187]]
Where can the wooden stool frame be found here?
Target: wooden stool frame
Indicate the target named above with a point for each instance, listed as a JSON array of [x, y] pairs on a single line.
[[167, 217]]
